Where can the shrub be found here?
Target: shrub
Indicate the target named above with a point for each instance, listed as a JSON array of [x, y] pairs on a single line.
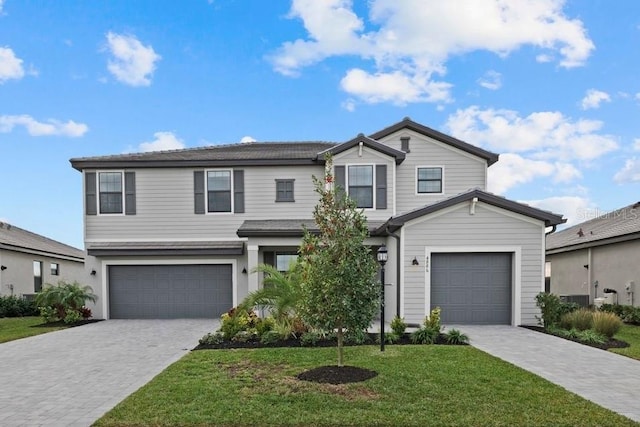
[[580, 319], [284, 330], [425, 336], [398, 326], [607, 324], [66, 299], [270, 337], [628, 313], [244, 336], [356, 337], [433, 320], [455, 337], [212, 338], [590, 336], [311, 338], [48, 314], [237, 320], [13, 306], [552, 309], [264, 325], [72, 316]]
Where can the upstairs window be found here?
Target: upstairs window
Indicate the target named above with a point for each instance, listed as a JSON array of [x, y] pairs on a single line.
[[429, 180], [219, 191], [55, 269], [284, 190], [360, 182], [110, 192]]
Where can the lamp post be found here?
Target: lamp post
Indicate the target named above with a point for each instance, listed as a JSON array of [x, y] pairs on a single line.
[[382, 259]]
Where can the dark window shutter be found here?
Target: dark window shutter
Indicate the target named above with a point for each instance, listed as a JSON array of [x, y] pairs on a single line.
[[130, 193], [90, 199], [381, 186], [339, 172], [198, 192], [269, 258], [238, 191]]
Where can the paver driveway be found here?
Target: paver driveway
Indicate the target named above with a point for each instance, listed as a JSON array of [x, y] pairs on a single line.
[[72, 377], [606, 378]]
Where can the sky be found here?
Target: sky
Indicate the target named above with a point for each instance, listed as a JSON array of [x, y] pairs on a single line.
[[550, 85]]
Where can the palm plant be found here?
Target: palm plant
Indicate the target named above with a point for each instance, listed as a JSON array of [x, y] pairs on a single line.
[[65, 297]]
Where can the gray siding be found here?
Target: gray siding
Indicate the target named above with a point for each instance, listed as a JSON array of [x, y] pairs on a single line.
[[165, 206], [461, 171], [568, 275], [457, 228]]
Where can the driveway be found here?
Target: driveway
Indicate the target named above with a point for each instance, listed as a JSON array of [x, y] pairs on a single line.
[[72, 377], [608, 379]]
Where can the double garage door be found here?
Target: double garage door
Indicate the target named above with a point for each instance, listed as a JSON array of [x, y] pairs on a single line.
[[169, 291], [472, 288]]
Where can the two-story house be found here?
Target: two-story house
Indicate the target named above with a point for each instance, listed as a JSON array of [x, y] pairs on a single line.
[[178, 233]]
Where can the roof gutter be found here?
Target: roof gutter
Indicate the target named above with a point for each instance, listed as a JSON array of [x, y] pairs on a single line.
[[553, 230]]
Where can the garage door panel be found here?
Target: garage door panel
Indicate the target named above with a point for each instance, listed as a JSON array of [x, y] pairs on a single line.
[[169, 291], [472, 288]]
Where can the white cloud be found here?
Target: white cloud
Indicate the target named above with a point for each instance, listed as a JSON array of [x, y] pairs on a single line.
[[545, 135], [544, 58], [413, 39], [132, 63], [10, 64], [575, 209], [49, 128], [163, 141], [247, 139], [636, 144], [513, 170], [349, 105], [491, 80], [1, 2], [630, 172], [593, 99]]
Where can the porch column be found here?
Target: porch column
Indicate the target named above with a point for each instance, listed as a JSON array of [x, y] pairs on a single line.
[[252, 261]]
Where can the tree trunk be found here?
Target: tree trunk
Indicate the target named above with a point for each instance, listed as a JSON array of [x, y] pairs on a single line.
[[340, 336]]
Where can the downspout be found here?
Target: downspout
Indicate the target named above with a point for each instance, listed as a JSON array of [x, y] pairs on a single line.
[[553, 230], [398, 293]]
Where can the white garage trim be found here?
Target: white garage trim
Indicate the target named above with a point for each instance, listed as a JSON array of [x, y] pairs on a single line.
[[516, 315], [163, 261]]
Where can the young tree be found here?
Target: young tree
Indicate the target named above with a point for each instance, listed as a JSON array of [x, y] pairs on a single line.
[[339, 290]]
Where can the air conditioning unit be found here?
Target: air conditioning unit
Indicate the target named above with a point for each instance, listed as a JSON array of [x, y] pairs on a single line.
[[581, 300]]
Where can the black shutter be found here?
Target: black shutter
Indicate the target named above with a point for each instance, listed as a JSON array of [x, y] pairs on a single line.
[[339, 172], [130, 193], [238, 191], [381, 186], [269, 258], [198, 192], [90, 199]]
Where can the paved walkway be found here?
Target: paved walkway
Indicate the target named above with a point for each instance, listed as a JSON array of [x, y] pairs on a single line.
[[72, 377], [608, 379]]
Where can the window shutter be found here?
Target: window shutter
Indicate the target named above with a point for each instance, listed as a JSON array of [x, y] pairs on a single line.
[[238, 191], [381, 186], [90, 199], [339, 172], [130, 193], [269, 258], [198, 192]]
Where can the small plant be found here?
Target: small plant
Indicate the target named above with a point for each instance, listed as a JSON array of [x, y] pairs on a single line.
[[85, 312], [264, 325], [590, 336], [580, 319], [389, 338], [552, 308], [424, 336], [398, 326], [66, 299], [455, 337], [72, 316], [212, 338], [237, 320], [607, 324], [270, 337], [48, 314], [244, 336], [311, 338], [433, 320], [283, 329]]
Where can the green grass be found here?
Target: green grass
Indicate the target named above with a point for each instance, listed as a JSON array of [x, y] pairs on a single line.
[[13, 328], [416, 385], [630, 334]]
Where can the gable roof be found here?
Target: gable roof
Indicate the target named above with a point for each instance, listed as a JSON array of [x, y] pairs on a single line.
[[549, 218], [407, 123], [612, 227], [367, 142], [16, 239], [241, 154], [287, 227]]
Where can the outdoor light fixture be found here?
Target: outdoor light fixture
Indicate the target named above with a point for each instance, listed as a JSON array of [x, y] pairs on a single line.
[[382, 259], [415, 261], [244, 270], [93, 272], [3, 268]]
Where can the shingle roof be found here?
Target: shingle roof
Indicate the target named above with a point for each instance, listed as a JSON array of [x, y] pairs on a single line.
[[16, 239], [285, 227], [251, 153], [368, 142], [619, 225]]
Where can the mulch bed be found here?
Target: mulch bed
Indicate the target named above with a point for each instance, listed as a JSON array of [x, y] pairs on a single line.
[[337, 375], [70, 325], [605, 346]]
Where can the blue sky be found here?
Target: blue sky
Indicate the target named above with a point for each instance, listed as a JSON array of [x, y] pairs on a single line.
[[550, 85]]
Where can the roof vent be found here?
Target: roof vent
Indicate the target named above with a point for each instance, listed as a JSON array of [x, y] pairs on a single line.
[[580, 233], [404, 144]]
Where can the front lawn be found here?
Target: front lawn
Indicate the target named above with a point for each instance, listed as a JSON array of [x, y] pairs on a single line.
[[416, 385], [631, 335], [13, 328]]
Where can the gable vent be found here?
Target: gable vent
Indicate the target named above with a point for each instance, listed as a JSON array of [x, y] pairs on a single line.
[[404, 144]]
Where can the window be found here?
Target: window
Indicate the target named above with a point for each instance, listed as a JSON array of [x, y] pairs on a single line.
[[429, 180], [37, 276], [360, 181], [284, 190], [284, 261], [110, 189], [219, 191], [55, 269]]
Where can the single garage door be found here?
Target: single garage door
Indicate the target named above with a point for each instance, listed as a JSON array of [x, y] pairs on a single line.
[[472, 288], [169, 291]]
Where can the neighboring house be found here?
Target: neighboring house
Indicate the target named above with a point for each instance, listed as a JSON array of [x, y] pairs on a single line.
[[178, 233], [28, 261], [599, 254]]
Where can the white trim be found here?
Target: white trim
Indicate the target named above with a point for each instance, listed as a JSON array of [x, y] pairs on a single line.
[[122, 191], [190, 239], [165, 261], [365, 150], [395, 189], [206, 191], [516, 298], [401, 267], [415, 188]]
